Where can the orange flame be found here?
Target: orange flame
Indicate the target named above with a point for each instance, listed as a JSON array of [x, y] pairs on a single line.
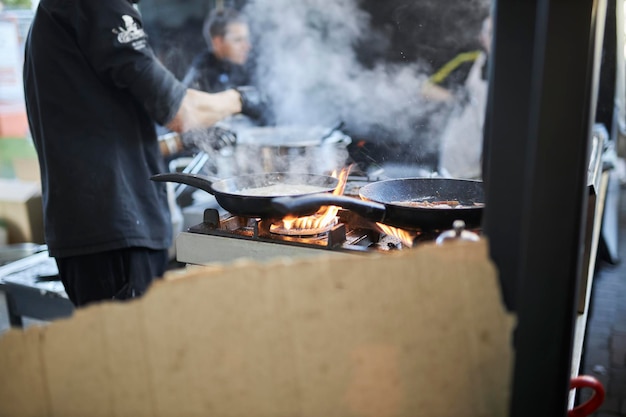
[[325, 216], [405, 236]]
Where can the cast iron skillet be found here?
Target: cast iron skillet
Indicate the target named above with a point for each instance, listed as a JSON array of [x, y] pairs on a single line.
[[381, 202], [231, 193]]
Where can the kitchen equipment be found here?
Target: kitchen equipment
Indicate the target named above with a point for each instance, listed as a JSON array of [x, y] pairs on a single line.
[[331, 131], [238, 196], [219, 236], [393, 202], [307, 149], [592, 404], [16, 251], [457, 232], [32, 287]]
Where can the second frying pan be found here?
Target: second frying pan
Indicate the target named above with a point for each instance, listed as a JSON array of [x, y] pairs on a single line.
[[396, 202]]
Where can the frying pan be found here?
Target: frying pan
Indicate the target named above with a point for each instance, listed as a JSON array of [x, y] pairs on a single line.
[[382, 202], [236, 194]]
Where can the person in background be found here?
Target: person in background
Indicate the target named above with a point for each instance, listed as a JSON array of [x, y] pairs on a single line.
[[461, 145], [223, 64], [94, 91]]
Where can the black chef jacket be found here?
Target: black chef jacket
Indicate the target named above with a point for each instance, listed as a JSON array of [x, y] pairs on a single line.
[[93, 91], [211, 74]]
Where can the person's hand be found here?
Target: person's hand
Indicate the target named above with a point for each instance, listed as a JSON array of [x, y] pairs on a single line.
[[253, 102], [212, 138], [200, 109], [221, 138]]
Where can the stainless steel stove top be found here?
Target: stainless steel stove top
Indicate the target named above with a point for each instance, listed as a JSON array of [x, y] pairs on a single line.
[[220, 237]]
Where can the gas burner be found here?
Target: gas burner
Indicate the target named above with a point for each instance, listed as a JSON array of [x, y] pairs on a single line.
[[224, 237], [293, 227]]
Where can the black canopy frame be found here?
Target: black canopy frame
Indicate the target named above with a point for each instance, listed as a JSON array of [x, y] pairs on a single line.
[[544, 79]]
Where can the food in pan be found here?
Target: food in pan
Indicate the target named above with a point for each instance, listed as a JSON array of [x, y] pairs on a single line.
[[444, 204], [278, 190]]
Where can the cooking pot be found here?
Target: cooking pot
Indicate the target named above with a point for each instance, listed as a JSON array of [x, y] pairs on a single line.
[[403, 203], [294, 149]]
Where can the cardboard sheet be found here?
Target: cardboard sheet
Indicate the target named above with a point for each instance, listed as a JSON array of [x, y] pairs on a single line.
[[419, 332]]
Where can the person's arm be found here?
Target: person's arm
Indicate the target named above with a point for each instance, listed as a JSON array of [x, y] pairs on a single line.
[[199, 109], [113, 41], [111, 36]]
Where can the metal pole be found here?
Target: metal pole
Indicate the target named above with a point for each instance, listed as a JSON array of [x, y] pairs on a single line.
[[537, 141]]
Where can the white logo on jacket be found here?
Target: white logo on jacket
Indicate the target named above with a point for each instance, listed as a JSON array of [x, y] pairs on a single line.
[[130, 32]]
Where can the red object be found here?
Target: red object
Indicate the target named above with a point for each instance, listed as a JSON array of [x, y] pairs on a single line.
[[585, 409]]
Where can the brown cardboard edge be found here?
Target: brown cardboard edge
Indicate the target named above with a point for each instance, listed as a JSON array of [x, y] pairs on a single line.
[[39, 371]]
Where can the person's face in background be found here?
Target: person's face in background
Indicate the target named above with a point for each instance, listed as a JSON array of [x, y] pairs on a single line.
[[485, 35], [234, 46]]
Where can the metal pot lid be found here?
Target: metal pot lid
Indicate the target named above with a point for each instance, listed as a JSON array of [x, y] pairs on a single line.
[[288, 136]]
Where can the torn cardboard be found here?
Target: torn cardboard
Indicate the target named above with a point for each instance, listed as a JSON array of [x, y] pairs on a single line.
[[417, 332]]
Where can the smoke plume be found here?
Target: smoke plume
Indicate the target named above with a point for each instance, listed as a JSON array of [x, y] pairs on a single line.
[[307, 64]]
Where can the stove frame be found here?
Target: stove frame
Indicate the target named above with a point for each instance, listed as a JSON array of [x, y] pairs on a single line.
[[224, 238]]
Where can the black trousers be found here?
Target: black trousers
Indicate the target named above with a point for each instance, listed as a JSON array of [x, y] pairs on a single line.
[[119, 274]]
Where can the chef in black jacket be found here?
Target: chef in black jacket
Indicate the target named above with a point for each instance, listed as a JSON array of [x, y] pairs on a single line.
[[222, 66], [94, 91]]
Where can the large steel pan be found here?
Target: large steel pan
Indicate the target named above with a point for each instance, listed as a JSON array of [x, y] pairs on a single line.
[[306, 149]]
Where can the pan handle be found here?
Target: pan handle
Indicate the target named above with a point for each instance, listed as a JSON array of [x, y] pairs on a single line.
[[195, 180], [303, 205]]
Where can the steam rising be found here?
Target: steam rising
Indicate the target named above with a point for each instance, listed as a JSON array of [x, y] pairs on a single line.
[[307, 64]]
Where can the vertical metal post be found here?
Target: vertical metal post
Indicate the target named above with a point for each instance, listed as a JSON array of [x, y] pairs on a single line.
[[506, 136], [540, 114]]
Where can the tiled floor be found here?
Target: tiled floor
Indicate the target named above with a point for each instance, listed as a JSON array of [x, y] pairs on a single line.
[[605, 346]]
